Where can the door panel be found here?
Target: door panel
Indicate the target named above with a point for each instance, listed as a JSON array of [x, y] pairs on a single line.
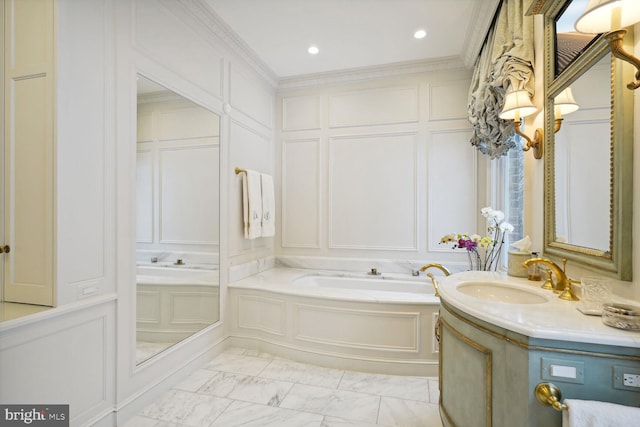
[[28, 141]]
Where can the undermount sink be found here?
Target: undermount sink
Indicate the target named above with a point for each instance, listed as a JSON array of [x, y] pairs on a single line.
[[500, 293]]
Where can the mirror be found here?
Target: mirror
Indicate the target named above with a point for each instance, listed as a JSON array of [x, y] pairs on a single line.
[[568, 43], [582, 163], [588, 162], [177, 218]]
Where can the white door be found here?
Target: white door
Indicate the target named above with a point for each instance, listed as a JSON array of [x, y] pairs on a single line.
[[27, 249]]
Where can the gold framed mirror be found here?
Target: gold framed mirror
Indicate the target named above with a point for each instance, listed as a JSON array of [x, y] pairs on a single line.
[[588, 160]]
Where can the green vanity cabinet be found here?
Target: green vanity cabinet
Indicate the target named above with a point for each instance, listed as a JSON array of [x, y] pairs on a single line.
[[488, 374]]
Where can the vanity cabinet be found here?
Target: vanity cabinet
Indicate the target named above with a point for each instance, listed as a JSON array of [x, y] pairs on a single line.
[[488, 374]]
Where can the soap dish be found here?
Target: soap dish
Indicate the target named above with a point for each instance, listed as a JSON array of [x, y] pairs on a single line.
[[621, 316]]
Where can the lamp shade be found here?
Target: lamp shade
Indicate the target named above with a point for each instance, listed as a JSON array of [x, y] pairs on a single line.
[[602, 16], [517, 104], [564, 103]]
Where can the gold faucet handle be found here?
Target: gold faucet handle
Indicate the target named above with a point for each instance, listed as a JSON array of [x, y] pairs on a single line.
[[435, 284], [548, 284]]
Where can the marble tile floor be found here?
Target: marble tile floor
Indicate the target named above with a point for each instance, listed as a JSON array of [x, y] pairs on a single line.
[[242, 387]]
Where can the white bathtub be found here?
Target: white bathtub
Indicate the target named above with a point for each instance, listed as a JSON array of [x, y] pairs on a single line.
[[350, 321], [372, 284], [175, 275]]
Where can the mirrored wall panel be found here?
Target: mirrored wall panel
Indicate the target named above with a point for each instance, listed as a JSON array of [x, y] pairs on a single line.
[[582, 163], [177, 218]]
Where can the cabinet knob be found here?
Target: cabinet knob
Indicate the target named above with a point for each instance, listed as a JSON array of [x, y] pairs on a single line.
[[5, 249]]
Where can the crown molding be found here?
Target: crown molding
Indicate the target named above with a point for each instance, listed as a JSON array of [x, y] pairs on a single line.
[[370, 73], [483, 13], [201, 12]]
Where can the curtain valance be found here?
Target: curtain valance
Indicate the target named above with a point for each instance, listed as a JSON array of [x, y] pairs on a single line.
[[505, 62]]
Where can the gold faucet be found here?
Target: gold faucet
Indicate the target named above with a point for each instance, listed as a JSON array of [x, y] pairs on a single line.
[[433, 279], [562, 283]]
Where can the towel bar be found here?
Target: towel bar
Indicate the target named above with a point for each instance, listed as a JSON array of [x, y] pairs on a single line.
[[239, 171], [549, 394]]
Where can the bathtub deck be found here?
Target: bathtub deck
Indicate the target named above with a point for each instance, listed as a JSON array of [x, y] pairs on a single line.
[[281, 281]]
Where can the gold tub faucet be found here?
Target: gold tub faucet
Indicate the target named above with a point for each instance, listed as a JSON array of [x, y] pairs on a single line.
[[433, 279], [562, 283]]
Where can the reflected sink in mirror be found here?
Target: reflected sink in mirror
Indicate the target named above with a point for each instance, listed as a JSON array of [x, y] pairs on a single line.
[[497, 292]]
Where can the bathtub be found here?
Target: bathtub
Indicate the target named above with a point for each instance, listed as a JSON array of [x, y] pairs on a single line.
[[368, 284], [176, 275], [172, 303], [345, 320]]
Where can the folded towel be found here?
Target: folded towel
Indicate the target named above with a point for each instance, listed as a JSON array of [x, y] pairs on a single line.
[[268, 206], [252, 204], [589, 413]]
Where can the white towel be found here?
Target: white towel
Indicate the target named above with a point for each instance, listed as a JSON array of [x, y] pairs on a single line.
[[590, 413], [268, 206], [252, 204]]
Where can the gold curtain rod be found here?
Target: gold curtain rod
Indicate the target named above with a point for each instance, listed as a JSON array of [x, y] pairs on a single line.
[[239, 171]]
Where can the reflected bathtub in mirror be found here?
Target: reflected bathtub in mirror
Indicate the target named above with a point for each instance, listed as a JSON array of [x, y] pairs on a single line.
[[177, 218], [171, 305]]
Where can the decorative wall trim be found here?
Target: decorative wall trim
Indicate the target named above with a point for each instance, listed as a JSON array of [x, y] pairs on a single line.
[[286, 126], [434, 181], [286, 243], [335, 313], [339, 119], [434, 97], [370, 73], [201, 12], [278, 306], [413, 246]]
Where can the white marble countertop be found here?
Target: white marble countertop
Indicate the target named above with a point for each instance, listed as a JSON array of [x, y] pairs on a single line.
[[554, 319]]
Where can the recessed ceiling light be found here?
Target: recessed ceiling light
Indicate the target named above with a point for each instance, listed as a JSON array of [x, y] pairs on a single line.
[[420, 34], [313, 50]]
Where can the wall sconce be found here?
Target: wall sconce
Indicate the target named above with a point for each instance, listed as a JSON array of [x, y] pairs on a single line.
[[609, 17], [563, 104], [517, 105]]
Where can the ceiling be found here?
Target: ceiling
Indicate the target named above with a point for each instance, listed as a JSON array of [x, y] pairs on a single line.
[[352, 34]]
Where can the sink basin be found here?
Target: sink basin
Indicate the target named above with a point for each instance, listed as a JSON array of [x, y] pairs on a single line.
[[499, 292]]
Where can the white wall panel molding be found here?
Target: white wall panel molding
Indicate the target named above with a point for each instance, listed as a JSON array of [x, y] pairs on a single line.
[[249, 95], [452, 187], [388, 105], [168, 46], [394, 338], [261, 314], [145, 200], [250, 150], [448, 100], [373, 192], [301, 188], [199, 11], [367, 329], [75, 363], [301, 113], [177, 189], [370, 73]]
